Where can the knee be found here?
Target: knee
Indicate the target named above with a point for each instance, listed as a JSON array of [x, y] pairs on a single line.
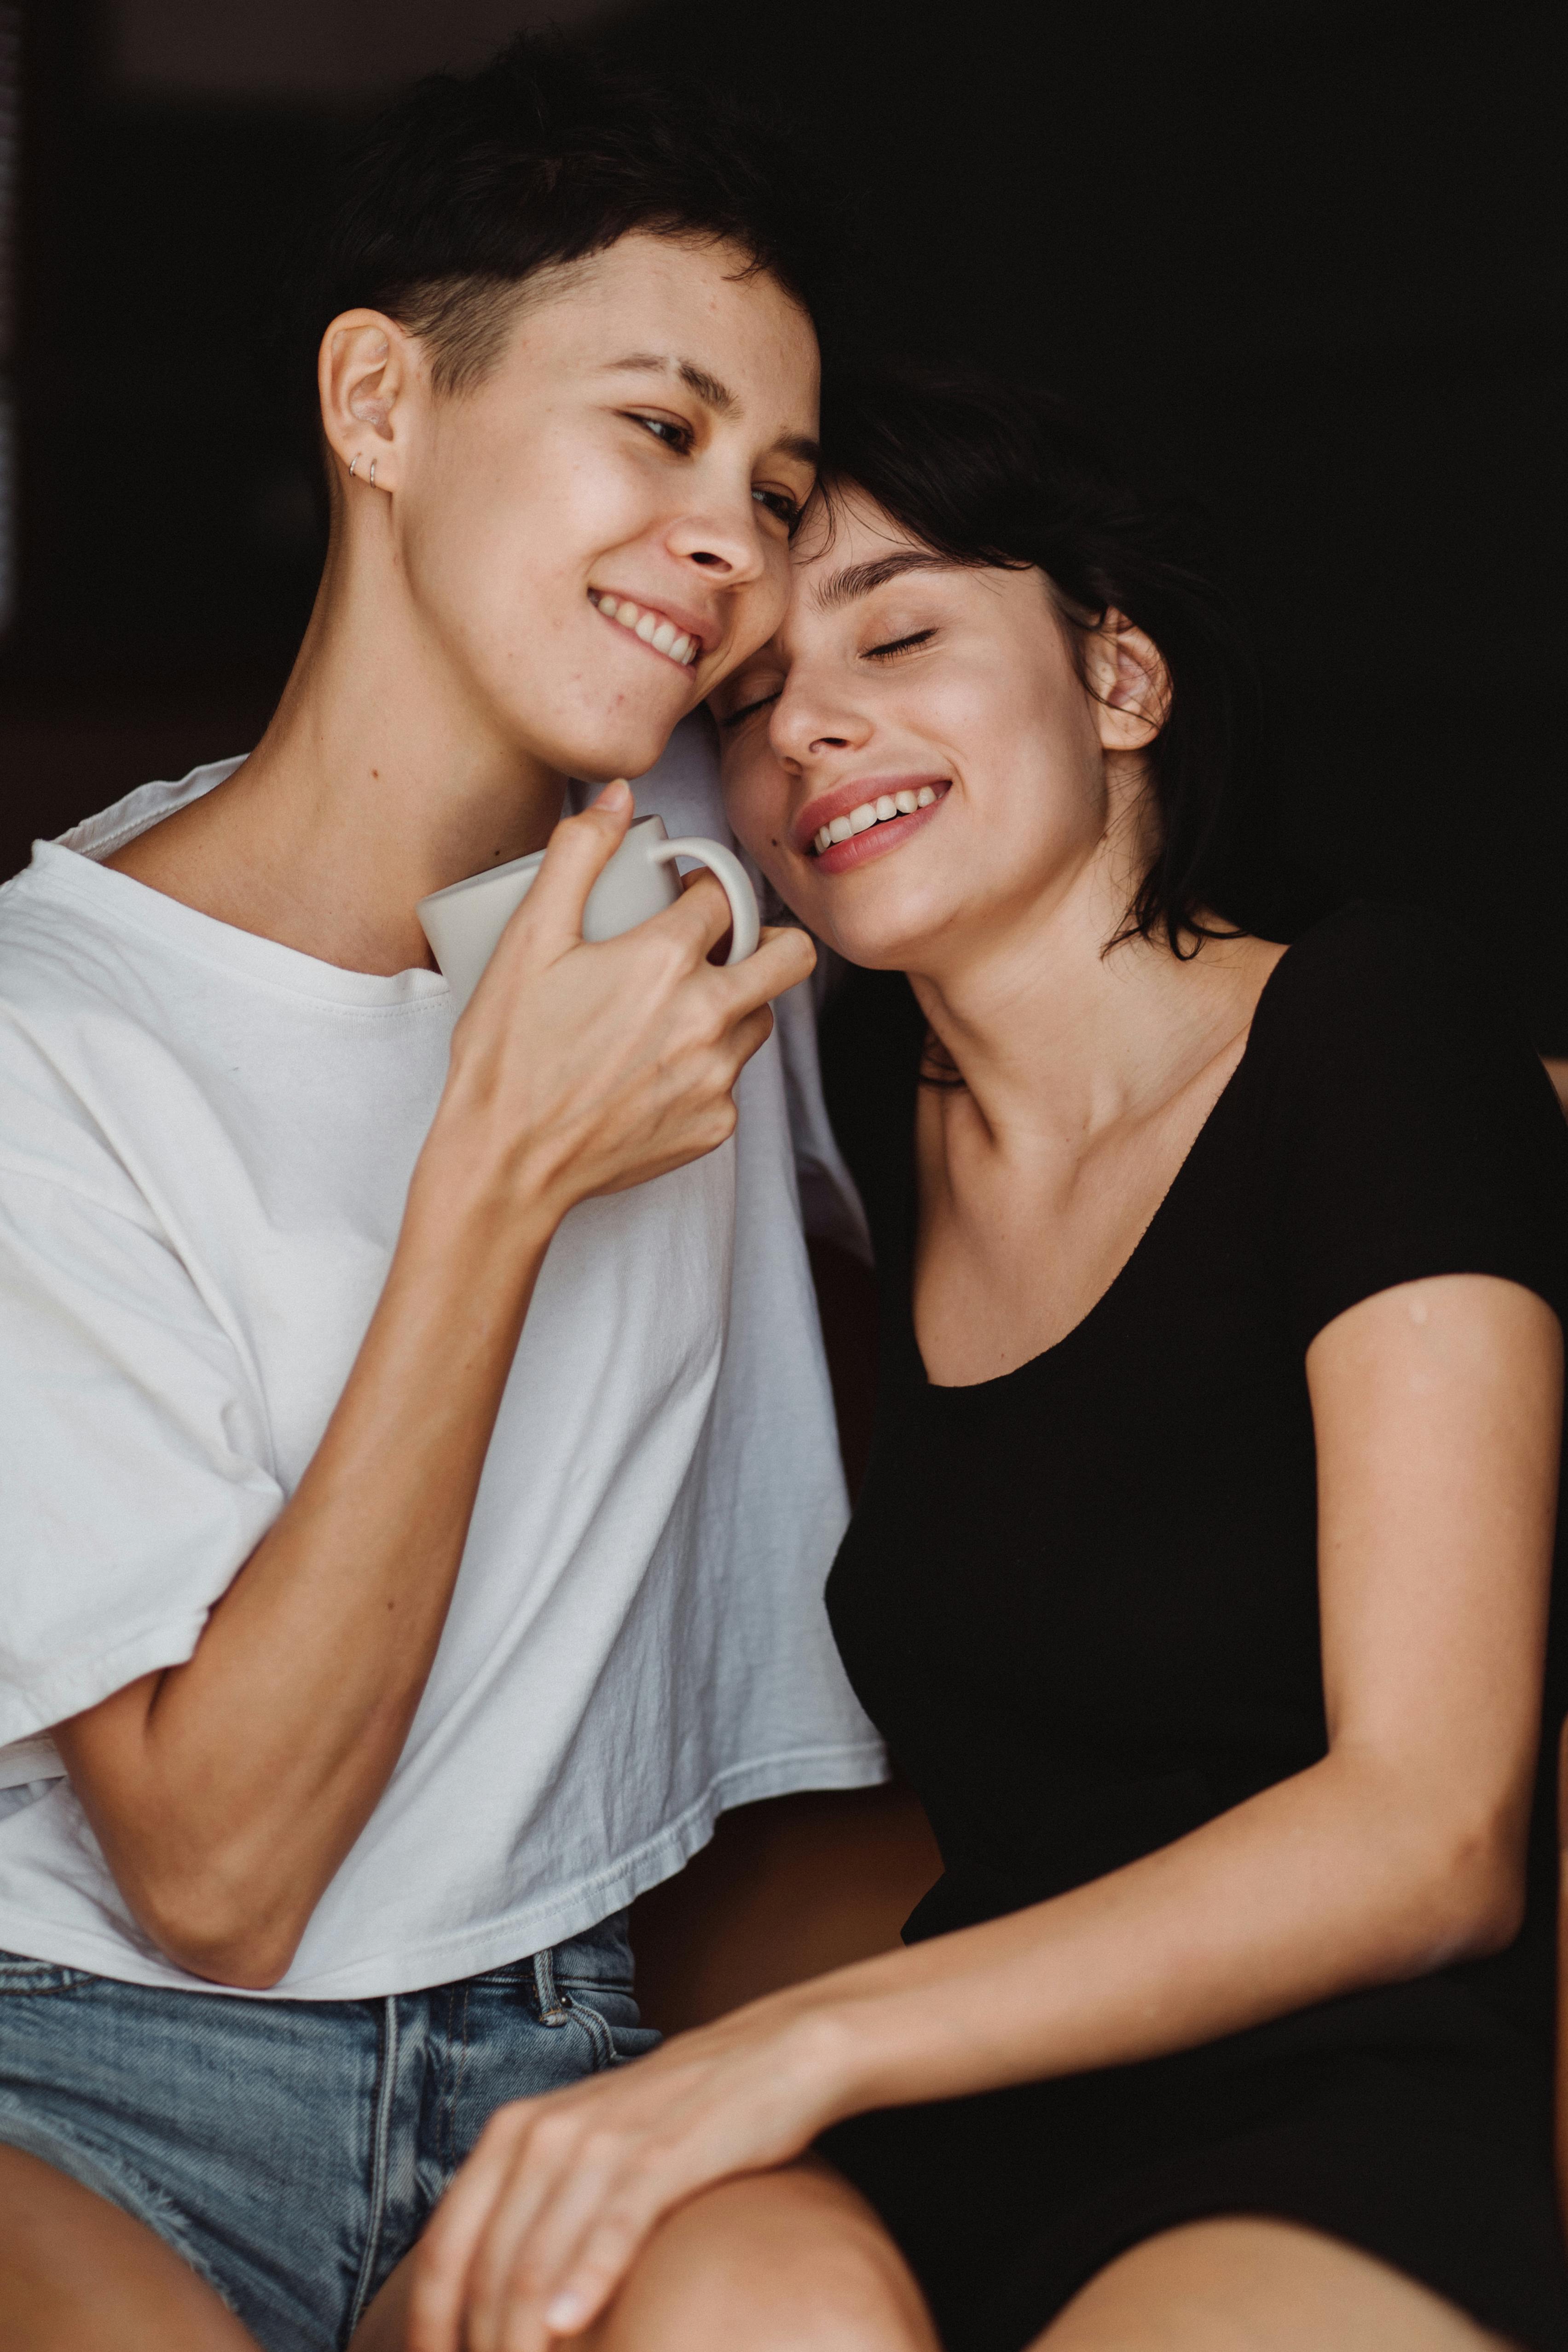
[[844, 2304], [847, 2301], [710, 2288]]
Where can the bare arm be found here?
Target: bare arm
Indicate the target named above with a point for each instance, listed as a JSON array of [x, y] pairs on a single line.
[[226, 1792], [1436, 1408]]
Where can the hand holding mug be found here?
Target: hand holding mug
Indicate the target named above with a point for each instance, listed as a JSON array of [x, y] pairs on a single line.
[[583, 1066], [463, 923]]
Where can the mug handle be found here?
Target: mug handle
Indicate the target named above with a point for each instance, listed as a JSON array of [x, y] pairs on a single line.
[[730, 874]]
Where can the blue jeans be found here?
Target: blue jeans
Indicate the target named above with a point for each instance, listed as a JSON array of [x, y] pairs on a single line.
[[292, 2150]]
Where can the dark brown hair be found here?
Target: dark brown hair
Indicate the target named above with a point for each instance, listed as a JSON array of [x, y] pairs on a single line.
[[471, 184], [988, 474]]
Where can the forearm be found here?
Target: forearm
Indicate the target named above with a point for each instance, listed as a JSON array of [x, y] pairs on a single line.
[[1339, 1878], [227, 1790]]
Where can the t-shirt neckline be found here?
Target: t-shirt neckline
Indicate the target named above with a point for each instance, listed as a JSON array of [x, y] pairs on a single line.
[[72, 866], [1048, 1356]]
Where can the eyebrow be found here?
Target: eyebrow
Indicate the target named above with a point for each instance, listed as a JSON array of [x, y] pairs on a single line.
[[859, 579], [713, 394]]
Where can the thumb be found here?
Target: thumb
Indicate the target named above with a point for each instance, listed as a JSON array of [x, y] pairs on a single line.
[[580, 849]]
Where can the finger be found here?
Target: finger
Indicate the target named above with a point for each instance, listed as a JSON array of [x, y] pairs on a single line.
[[600, 2263], [751, 1033], [717, 953], [510, 2302], [577, 854], [700, 915], [509, 2276], [548, 2168], [782, 960], [455, 2231]]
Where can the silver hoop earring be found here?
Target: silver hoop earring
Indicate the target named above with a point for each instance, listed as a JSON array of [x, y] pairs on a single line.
[[352, 463], [372, 473]]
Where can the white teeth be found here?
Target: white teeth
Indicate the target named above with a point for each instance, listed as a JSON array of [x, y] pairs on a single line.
[[878, 812], [653, 630]]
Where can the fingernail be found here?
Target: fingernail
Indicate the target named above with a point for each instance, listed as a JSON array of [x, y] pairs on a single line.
[[565, 2314], [614, 796]]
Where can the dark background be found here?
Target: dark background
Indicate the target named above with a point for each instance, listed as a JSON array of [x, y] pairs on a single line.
[[1306, 253]]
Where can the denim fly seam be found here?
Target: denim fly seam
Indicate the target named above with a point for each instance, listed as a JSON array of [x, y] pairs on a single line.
[[381, 2146]]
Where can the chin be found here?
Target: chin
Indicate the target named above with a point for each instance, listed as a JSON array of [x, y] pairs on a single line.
[[627, 746], [883, 933]]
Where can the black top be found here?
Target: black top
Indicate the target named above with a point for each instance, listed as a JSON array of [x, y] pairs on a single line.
[[1080, 1600]]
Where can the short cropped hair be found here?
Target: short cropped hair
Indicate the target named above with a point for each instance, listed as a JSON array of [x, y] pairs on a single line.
[[472, 184], [990, 474]]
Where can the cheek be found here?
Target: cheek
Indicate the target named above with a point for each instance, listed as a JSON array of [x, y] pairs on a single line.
[[504, 529], [755, 801], [1029, 757], [761, 607]]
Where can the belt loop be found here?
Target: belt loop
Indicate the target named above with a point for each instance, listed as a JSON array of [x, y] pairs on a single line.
[[553, 2008]]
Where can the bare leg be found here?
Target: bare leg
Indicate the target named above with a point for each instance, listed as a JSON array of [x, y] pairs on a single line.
[[783, 2262], [384, 2325], [1243, 2285], [77, 2275]]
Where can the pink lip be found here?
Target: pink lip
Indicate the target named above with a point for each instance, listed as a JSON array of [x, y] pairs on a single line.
[[839, 856], [851, 795]]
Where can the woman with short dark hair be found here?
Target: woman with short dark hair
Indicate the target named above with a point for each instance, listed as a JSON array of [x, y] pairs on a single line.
[[1201, 1575]]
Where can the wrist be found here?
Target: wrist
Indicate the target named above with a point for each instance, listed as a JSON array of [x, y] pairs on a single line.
[[458, 1212], [824, 2055], [481, 1168]]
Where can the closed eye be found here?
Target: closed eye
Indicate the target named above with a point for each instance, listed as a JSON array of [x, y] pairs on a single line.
[[749, 710], [778, 502], [899, 646]]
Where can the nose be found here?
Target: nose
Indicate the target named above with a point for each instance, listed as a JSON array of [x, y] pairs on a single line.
[[809, 721], [724, 540]]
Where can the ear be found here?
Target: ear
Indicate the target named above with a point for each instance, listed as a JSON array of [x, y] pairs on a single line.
[[369, 377], [1129, 681]]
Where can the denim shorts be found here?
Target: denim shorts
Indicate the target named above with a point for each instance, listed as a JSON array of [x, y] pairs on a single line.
[[292, 2150]]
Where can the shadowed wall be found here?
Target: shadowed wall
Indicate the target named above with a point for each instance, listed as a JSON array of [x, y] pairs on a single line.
[[1301, 250]]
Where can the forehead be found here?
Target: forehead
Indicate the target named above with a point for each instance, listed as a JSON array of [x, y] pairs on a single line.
[[849, 547], [843, 526], [671, 300]]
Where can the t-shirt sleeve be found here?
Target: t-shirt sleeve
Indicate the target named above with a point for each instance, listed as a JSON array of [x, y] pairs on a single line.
[[133, 1455], [1414, 1132]]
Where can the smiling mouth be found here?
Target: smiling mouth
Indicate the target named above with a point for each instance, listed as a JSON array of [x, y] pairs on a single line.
[[880, 810], [654, 630]]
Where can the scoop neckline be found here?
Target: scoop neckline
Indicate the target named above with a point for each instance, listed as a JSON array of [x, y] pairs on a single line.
[[1047, 1355]]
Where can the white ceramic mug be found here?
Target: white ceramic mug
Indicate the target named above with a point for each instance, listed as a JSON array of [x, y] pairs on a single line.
[[465, 921]]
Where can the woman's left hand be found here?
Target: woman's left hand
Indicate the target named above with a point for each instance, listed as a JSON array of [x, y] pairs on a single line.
[[542, 2223]]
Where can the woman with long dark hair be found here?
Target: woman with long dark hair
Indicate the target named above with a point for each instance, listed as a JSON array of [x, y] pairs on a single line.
[[1201, 1576]]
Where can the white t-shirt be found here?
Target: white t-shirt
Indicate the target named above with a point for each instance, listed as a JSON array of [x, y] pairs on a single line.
[[206, 1143]]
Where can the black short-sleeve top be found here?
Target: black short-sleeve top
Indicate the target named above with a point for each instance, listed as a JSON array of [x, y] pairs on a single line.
[[1080, 1600]]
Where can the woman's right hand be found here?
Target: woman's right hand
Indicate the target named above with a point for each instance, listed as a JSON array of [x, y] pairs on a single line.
[[580, 1069]]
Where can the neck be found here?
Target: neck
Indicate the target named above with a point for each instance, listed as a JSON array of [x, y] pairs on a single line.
[[378, 780], [1059, 1041]]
